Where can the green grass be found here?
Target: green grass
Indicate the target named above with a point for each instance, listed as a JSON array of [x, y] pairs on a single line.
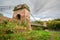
[[27, 35], [55, 35], [34, 35]]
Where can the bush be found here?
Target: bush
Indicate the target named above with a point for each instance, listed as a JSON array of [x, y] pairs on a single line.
[[54, 25], [5, 26]]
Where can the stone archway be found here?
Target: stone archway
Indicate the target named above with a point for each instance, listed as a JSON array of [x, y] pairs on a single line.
[[18, 16]]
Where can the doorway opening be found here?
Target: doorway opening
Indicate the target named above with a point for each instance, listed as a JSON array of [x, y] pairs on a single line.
[[18, 16]]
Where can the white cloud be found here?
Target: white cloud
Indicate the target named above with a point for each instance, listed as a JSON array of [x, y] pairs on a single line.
[[34, 18], [46, 19]]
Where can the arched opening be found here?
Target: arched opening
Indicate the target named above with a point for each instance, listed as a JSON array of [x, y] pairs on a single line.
[[18, 16]]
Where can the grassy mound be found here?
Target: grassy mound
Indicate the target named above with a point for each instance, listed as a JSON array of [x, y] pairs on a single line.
[[8, 32]]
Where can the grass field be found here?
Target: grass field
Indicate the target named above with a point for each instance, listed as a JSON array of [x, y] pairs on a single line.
[[33, 35]]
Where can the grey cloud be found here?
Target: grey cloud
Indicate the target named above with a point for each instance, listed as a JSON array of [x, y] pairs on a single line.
[[39, 8]]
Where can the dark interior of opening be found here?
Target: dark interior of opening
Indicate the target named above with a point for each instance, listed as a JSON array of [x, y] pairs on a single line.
[[18, 16]]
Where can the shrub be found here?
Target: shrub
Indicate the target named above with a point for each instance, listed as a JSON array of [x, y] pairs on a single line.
[[54, 25]]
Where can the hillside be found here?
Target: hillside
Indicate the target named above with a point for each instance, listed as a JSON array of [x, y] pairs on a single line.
[[11, 29]]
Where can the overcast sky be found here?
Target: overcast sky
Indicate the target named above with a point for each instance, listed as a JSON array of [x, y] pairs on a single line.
[[41, 9]]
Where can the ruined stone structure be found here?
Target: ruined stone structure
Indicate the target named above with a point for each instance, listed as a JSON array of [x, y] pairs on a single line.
[[22, 13]]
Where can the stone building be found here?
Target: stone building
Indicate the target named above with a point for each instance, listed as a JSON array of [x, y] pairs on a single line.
[[22, 13]]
